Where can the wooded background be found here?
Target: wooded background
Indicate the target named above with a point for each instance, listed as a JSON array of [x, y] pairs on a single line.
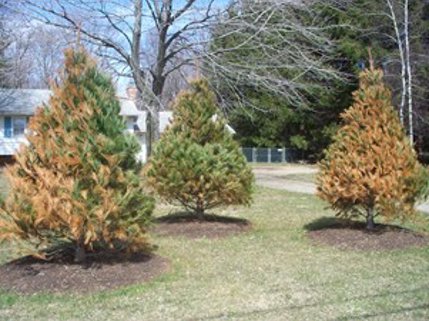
[[282, 71]]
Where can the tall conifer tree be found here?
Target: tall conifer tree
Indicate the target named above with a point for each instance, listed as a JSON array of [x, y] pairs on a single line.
[[371, 169], [76, 184], [196, 163]]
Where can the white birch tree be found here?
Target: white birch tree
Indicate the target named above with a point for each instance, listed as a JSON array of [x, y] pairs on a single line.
[[402, 36]]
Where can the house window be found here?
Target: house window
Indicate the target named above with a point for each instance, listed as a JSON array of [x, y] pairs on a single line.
[[8, 132], [19, 125], [14, 126], [132, 124]]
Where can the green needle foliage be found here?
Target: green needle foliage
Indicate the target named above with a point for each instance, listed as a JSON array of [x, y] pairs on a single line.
[[196, 163], [77, 182], [371, 169]]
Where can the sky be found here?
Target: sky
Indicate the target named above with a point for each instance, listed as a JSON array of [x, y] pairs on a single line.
[[125, 7], [148, 26]]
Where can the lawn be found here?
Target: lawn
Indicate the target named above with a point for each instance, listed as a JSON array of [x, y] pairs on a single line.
[[271, 273]]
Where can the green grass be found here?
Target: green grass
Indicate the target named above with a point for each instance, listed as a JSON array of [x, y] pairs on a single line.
[[270, 273]]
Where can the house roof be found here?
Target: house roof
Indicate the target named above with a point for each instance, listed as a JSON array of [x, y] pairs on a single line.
[[128, 107], [23, 102]]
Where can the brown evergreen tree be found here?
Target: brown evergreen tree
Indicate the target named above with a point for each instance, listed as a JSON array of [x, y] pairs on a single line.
[[371, 169], [76, 184]]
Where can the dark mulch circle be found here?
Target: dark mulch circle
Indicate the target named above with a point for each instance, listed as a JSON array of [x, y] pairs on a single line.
[[190, 226], [344, 234], [29, 275]]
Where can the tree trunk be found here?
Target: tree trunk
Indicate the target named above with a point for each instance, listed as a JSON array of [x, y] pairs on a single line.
[[409, 72], [402, 58], [200, 213], [157, 90], [370, 219], [139, 77], [80, 254], [157, 72], [153, 132]]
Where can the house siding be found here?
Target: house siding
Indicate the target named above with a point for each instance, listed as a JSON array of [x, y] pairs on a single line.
[[164, 120], [23, 103], [141, 156], [1, 126], [10, 145]]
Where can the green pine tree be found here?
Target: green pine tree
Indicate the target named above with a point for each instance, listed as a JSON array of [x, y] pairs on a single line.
[[76, 185], [196, 163]]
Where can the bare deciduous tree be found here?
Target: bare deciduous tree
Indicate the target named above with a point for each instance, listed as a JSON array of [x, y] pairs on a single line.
[[121, 27], [273, 49], [37, 54], [31, 52], [183, 32]]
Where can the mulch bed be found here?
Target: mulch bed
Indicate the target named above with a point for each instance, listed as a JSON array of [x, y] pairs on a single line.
[[29, 275], [354, 236], [190, 226]]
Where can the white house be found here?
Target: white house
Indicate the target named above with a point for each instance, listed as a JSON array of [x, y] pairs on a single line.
[[18, 105]]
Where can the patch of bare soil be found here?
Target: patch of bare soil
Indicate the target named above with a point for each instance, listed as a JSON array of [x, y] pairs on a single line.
[[29, 275], [190, 226], [353, 235]]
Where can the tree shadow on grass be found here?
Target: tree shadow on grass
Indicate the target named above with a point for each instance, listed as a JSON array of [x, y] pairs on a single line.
[[188, 225], [93, 259], [349, 234], [187, 217], [325, 222]]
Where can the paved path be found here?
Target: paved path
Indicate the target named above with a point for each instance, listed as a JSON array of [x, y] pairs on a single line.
[[277, 177], [286, 184], [423, 207]]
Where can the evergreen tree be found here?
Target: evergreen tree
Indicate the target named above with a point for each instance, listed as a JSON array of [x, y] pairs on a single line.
[[266, 115], [196, 163], [77, 182], [373, 28], [371, 169]]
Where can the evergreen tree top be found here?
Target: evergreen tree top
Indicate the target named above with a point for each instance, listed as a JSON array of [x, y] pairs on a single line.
[[194, 114], [370, 77], [372, 104], [77, 62], [199, 100]]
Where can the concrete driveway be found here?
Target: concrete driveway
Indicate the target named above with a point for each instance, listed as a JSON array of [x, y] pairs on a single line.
[[286, 177], [277, 177]]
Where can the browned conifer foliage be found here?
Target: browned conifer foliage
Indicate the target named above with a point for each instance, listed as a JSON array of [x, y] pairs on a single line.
[[371, 169], [76, 183]]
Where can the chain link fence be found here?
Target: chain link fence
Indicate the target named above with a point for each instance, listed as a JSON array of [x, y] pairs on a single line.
[[272, 155]]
